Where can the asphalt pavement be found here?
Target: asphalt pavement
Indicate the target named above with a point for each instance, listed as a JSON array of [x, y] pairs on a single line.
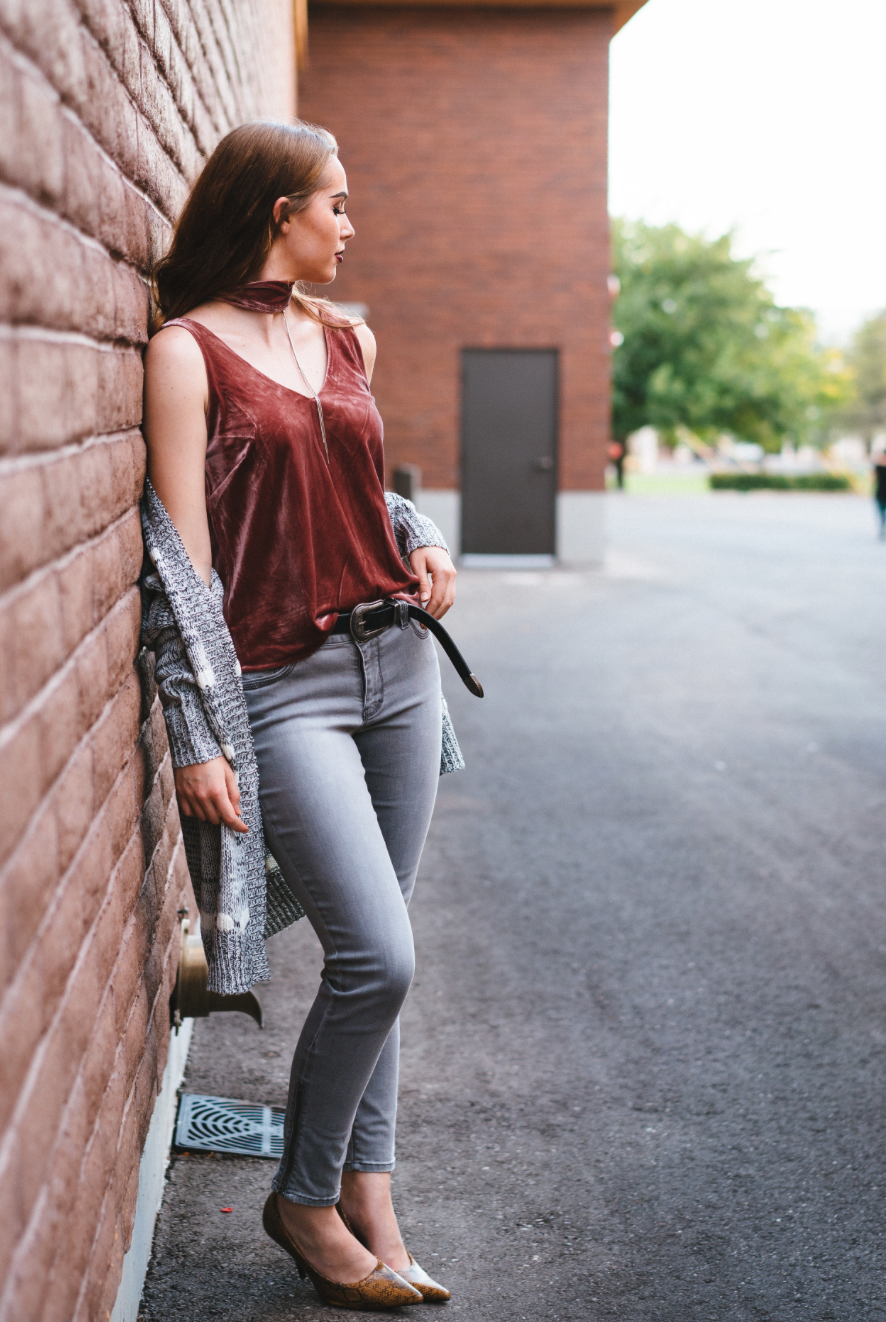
[[644, 1059]]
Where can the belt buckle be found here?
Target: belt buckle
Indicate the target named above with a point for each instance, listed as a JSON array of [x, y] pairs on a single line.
[[360, 630]]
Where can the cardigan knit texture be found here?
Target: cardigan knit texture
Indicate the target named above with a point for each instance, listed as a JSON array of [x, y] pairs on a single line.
[[242, 894]]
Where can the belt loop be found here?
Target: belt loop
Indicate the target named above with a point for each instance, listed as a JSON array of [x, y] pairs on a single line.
[[403, 611]]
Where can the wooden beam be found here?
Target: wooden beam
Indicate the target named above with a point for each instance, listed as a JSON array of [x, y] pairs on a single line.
[[300, 18], [624, 10], [621, 10]]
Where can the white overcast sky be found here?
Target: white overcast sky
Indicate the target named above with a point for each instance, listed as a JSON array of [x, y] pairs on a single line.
[[768, 116]]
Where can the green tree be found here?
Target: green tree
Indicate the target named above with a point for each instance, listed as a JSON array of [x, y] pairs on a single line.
[[706, 347], [865, 411]]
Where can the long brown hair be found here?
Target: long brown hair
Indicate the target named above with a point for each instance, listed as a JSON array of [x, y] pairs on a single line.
[[227, 227]]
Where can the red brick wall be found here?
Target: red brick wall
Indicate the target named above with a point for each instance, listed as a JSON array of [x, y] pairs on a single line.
[[475, 146], [107, 109]]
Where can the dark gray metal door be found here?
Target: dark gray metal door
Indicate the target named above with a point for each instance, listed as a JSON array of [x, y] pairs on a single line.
[[509, 451]]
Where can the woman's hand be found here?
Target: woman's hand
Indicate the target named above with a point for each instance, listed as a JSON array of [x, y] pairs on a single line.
[[208, 791], [436, 576]]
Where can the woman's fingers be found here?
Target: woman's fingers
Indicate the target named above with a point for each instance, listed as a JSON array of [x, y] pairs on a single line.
[[232, 787], [425, 587], [436, 574], [208, 791], [443, 594]]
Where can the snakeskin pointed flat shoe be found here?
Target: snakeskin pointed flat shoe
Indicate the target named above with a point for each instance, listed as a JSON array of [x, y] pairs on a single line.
[[382, 1288], [430, 1291]]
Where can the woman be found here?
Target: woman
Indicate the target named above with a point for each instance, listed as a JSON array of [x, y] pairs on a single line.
[[264, 447]]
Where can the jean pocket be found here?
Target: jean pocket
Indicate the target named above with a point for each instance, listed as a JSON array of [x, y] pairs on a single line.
[[260, 679]]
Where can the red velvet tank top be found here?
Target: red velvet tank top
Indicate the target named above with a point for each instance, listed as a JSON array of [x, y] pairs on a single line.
[[294, 540]]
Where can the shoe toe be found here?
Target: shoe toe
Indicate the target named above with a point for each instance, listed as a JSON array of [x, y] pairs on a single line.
[[431, 1292]]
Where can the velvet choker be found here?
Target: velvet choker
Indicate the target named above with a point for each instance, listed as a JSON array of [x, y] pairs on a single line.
[[261, 296]]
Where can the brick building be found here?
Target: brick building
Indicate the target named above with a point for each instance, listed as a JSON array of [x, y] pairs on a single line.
[[107, 108], [475, 141]]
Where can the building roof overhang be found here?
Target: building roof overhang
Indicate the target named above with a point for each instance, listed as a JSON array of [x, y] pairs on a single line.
[[621, 10]]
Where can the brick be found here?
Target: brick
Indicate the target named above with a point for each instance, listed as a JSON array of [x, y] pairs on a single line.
[[76, 293], [62, 1282], [32, 628], [58, 388], [129, 876], [75, 585], [92, 673], [113, 737], [40, 165], [79, 1011], [101, 847], [159, 235], [128, 972], [123, 804], [21, 1027], [123, 634], [9, 395], [49, 33], [134, 1044], [106, 109], [106, 938], [130, 306], [85, 175], [57, 946], [62, 1185], [25, 1286], [22, 496], [20, 782], [10, 128], [26, 885], [103, 1250], [61, 721], [119, 388], [157, 963], [96, 491], [95, 1178]]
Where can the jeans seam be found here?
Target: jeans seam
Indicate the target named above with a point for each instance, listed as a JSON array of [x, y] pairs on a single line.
[[290, 1154]]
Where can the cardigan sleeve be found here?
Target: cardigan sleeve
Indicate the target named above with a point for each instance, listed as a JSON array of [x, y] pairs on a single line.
[[190, 738], [411, 529]]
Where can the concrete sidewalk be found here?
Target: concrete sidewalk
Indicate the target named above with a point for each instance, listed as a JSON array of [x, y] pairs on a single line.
[[643, 1069]]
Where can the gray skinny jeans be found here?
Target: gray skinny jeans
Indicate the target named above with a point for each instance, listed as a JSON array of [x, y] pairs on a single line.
[[348, 748]]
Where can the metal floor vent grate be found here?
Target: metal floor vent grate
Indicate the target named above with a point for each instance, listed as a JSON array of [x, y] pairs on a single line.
[[216, 1124]]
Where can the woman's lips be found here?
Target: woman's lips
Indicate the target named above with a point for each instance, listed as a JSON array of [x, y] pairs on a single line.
[[339, 256]]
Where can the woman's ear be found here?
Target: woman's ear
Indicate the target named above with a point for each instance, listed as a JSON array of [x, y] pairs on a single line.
[[281, 212]]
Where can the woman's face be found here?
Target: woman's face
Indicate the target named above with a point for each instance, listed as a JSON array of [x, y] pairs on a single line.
[[312, 242]]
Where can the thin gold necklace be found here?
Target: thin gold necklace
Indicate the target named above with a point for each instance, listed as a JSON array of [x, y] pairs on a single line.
[[301, 373]]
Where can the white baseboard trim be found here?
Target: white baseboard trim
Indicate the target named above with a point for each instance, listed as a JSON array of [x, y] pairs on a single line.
[[476, 560], [151, 1178], [444, 507], [581, 527], [581, 523]]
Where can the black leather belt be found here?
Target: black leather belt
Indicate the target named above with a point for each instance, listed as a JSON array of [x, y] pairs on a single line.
[[374, 617]]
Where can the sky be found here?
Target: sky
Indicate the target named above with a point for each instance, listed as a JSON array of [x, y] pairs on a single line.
[[769, 117]]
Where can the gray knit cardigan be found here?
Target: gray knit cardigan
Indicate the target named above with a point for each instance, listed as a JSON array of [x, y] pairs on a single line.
[[242, 894]]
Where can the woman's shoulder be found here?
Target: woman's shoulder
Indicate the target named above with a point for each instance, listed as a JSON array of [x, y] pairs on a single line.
[[173, 343], [366, 341], [174, 361]]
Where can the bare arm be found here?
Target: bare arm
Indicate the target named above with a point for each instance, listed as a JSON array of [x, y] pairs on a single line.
[[368, 345], [176, 396]]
